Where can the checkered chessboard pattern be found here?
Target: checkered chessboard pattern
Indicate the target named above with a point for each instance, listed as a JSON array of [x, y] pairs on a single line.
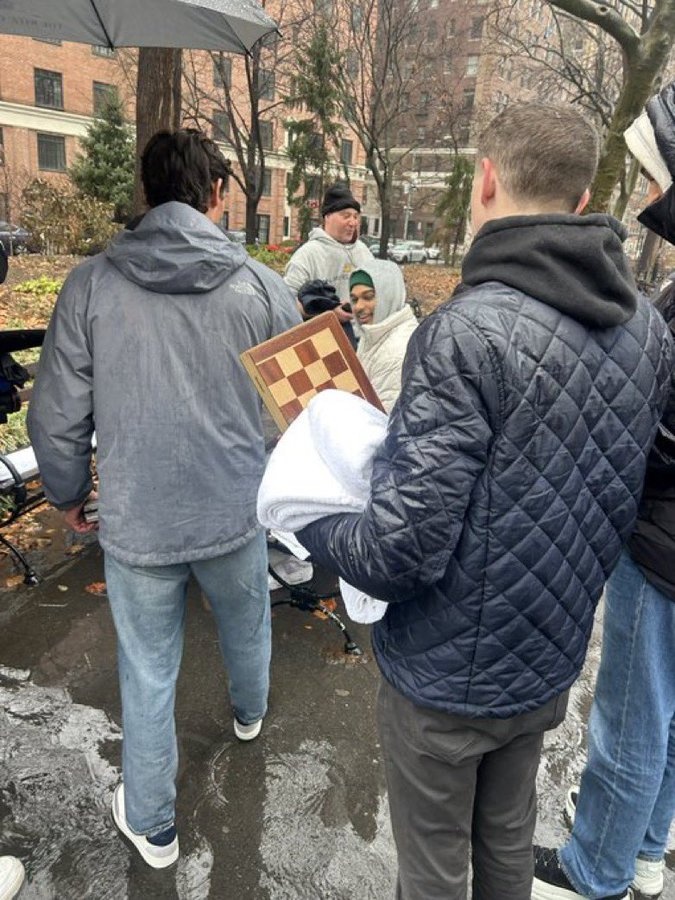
[[291, 368]]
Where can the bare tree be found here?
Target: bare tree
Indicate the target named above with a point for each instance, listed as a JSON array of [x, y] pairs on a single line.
[[625, 49], [241, 100], [383, 56]]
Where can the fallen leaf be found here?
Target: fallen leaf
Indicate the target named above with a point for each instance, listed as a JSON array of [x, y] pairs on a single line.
[[96, 587], [62, 587]]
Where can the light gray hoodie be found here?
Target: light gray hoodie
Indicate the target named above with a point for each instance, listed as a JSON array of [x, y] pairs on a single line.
[[324, 257], [144, 347]]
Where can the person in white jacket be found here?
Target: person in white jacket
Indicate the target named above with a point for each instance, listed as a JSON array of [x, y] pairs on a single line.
[[383, 321]]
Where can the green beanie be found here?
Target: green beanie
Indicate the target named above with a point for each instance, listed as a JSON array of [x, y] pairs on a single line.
[[358, 276]]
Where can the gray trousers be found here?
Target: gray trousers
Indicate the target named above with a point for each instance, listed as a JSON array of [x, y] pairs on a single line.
[[461, 788]]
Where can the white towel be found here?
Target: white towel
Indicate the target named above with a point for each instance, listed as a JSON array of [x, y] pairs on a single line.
[[322, 466]]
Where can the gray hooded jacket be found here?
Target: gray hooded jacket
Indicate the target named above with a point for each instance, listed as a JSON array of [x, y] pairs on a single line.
[[324, 257], [143, 346]]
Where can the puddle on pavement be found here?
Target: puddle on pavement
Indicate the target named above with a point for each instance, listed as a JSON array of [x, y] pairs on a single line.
[[310, 847]]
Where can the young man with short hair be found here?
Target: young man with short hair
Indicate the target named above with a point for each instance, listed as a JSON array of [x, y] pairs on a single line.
[[509, 480], [144, 346]]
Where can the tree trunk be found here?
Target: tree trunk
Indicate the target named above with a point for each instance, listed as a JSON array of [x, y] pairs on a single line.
[[384, 190], [158, 103], [251, 213], [646, 264]]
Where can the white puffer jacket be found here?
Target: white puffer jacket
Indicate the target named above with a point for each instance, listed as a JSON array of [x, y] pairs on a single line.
[[383, 344]]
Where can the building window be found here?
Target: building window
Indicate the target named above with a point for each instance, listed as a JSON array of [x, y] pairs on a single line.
[[51, 152], [222, 70], [266, 135], [49, 41], [221, 126], [266, 181], [2, 147], [266, 84], [287, 226], [324, 7], [450, 28], [48, 89], [103, 95], [468, 98], [262, 229], [421, 134], [476, 28], [102, 50], [225, 221], [346, 152], [471, 65]]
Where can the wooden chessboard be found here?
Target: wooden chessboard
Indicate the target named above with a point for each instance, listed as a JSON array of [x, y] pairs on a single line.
[[290, 369]]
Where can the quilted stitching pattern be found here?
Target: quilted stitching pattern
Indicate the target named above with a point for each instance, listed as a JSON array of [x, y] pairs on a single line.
[[506, 487]]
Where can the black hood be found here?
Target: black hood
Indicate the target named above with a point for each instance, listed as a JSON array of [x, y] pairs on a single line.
[[659, 216], [575, 264]]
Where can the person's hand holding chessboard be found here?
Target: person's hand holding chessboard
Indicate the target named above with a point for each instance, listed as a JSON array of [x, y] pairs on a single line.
[[290, 369]]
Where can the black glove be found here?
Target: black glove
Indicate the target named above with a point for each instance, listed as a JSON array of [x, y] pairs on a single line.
[[318, 296]]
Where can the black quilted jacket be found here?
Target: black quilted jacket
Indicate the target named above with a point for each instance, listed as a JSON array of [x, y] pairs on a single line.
[[512, 469]]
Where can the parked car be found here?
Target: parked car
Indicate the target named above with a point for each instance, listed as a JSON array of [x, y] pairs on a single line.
[[433, 252], [14, 238], [408, 251]]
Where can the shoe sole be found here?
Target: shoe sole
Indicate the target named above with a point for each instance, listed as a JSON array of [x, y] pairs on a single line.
[[12, 888], [541, 890], [247, 735], [647, 890], [136, 840]]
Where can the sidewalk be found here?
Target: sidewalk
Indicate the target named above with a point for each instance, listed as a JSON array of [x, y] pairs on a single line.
[[299, 814]]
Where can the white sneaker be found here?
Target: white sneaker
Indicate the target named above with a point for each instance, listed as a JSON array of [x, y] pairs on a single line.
[[12, 874], [648, 873], [247, 732], [649, 876], [159, 851]]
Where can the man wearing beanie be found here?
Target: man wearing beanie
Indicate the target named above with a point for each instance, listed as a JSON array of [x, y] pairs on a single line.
[[332, 251], [622, 811]]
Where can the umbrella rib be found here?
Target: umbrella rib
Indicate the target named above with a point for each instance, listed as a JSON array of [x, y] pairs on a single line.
[[101, 23]]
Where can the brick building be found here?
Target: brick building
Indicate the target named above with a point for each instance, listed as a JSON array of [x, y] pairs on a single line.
[[49, 92]]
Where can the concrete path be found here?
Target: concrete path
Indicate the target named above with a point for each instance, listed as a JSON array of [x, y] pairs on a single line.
[[299, 814]]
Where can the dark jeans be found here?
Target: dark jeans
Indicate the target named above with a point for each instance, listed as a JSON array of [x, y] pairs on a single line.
[[460, 786]]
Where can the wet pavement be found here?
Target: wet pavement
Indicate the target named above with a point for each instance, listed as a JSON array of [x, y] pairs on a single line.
[[299, 814]]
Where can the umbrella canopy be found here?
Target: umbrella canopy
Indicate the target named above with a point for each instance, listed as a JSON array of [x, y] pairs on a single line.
[[228, 25]]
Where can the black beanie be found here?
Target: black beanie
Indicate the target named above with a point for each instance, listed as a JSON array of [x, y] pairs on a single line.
[[337, 197]]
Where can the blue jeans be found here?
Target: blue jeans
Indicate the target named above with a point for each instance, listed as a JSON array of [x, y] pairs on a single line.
[[148, 607], [627, 797]]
